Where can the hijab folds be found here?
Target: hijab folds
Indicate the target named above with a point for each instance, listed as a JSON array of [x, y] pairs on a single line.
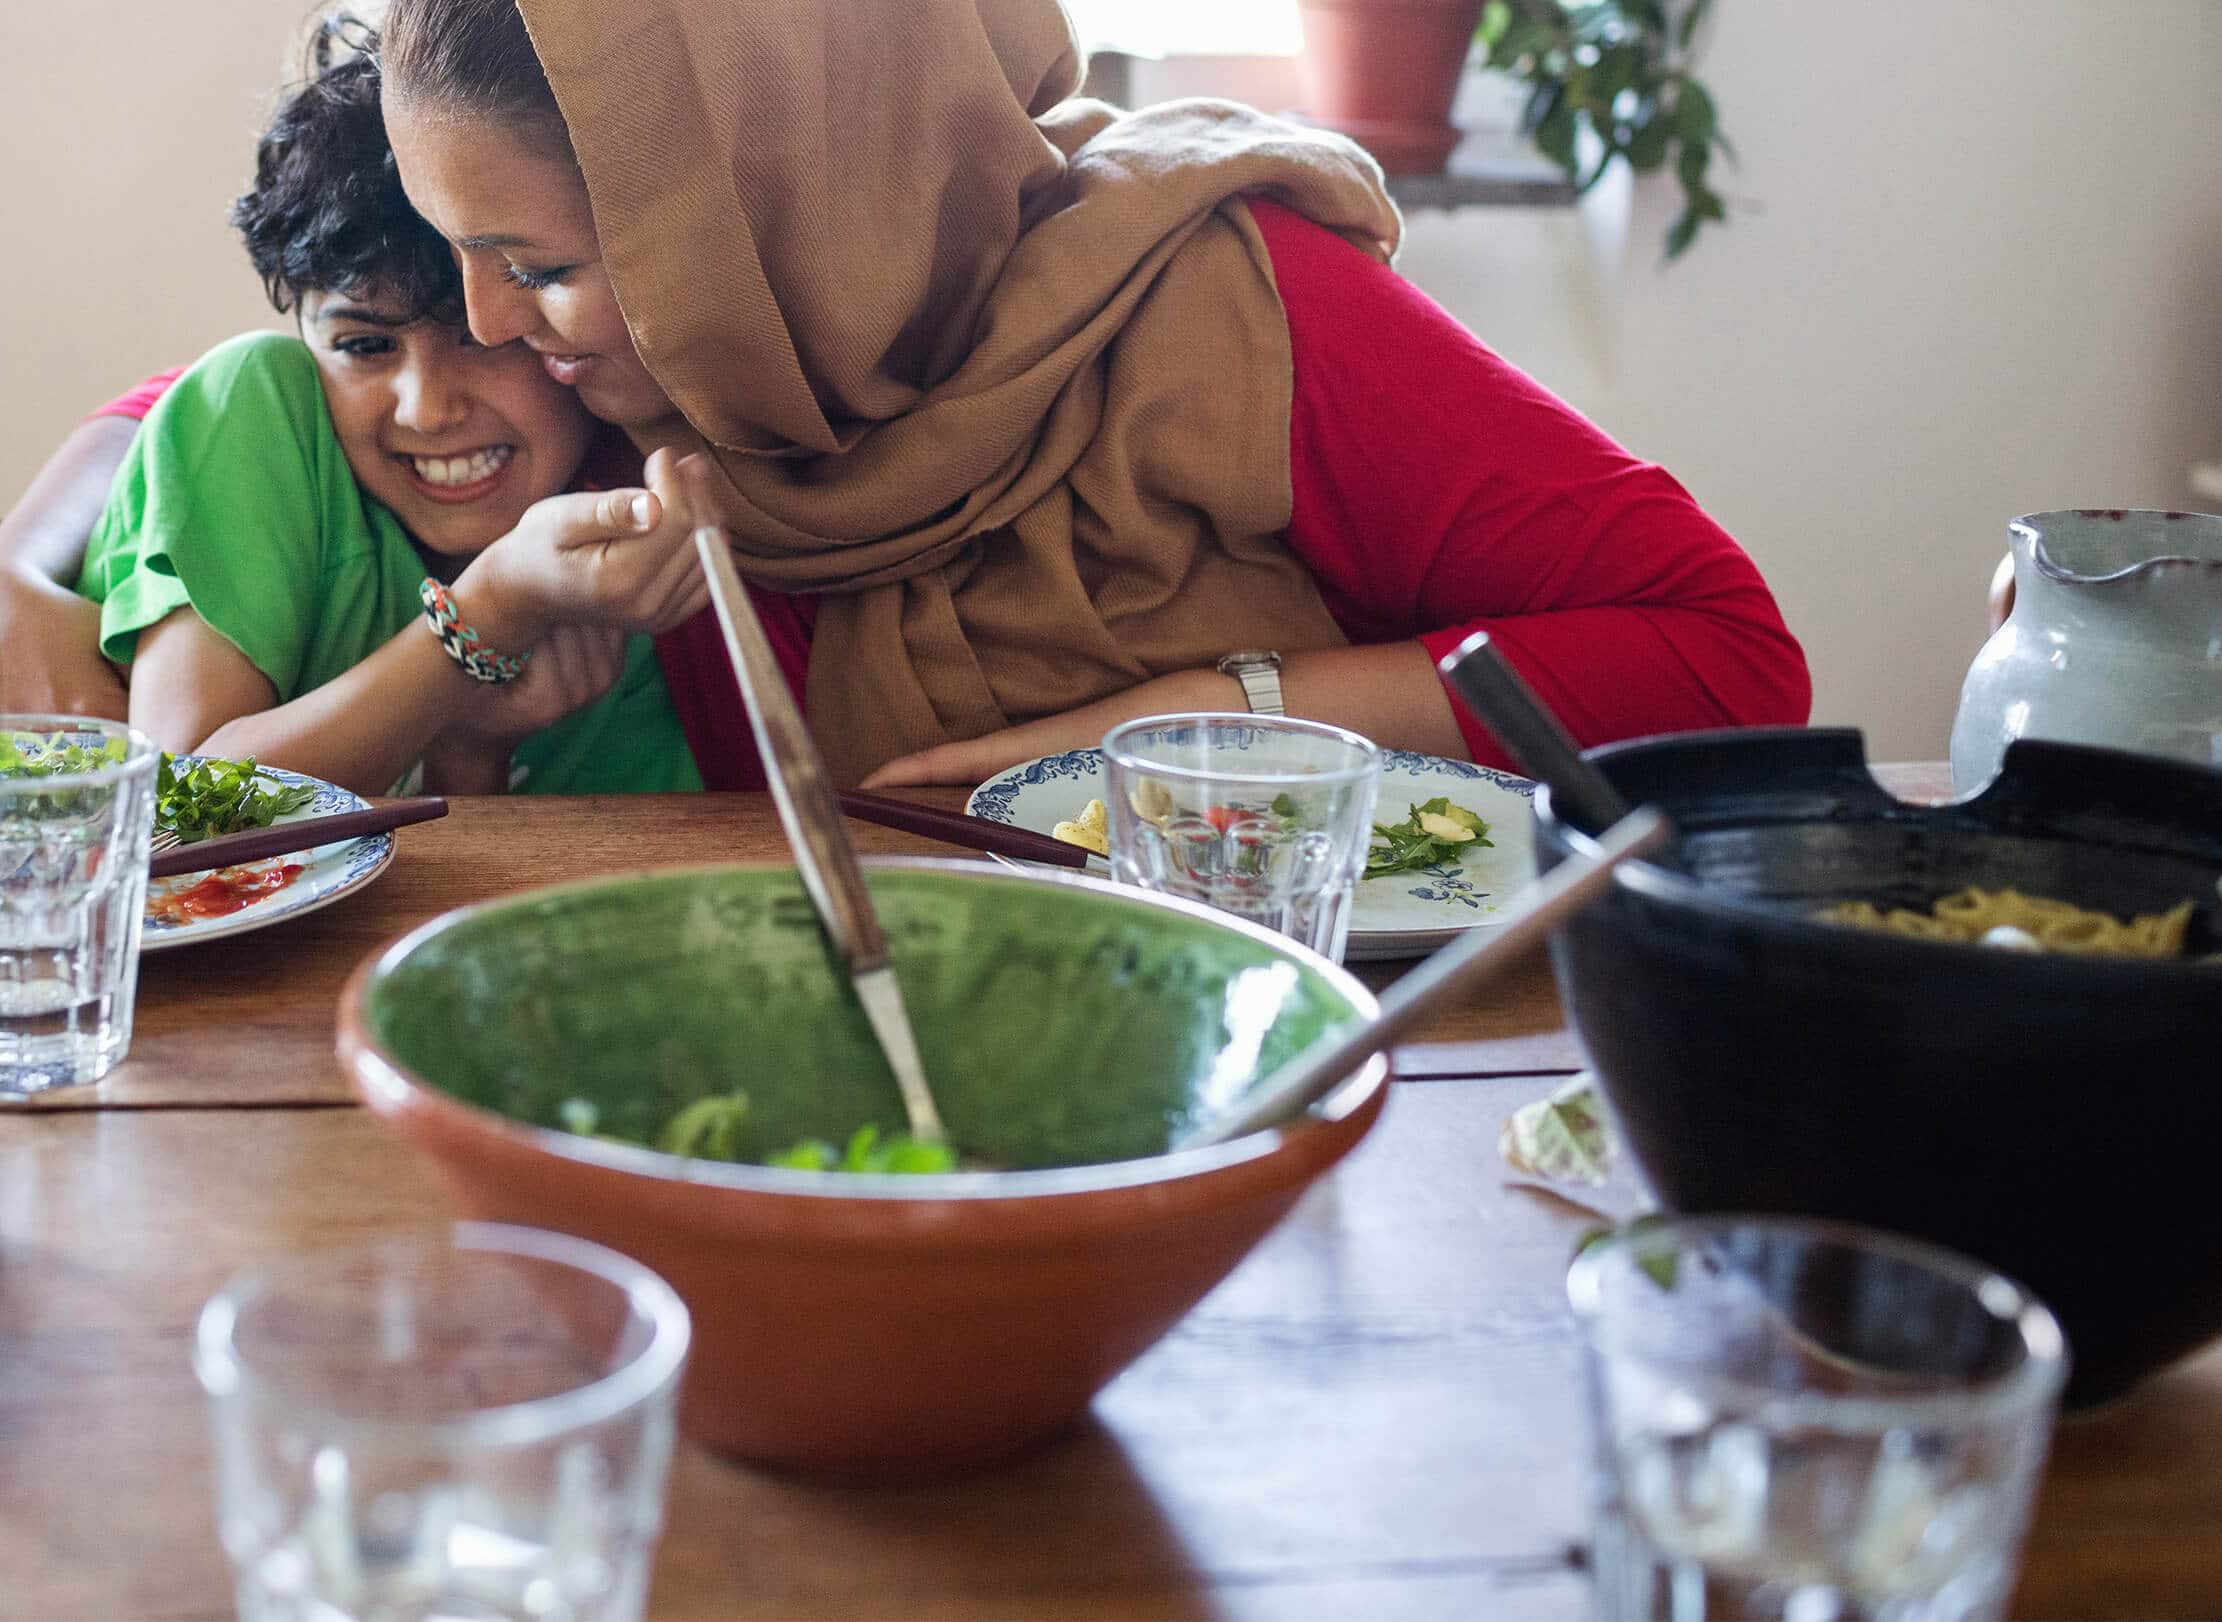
[[1001, 373]]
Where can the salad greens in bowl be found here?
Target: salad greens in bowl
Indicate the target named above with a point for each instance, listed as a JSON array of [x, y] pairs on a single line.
[[673, 1063]]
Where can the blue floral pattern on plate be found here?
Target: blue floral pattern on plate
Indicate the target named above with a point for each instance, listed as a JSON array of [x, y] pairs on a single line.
[[1390, 919], [329, 872]]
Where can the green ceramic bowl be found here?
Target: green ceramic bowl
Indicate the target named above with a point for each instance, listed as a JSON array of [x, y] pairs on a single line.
[[883, 1324]]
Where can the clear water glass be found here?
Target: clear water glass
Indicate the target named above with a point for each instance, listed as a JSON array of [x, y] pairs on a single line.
[[462, 1428], [76, 819], [1809, 1422], [1260, 816]]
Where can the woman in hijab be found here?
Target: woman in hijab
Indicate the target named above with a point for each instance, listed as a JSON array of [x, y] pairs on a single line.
[[1043, 416]]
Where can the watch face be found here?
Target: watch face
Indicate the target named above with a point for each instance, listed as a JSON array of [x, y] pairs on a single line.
[[1252, 657]]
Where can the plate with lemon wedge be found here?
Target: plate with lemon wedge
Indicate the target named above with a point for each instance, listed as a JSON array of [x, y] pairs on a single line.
[[1446, 886]]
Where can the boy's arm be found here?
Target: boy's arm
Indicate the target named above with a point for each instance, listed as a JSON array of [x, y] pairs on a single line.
[[194, 693], [49, 636], [362, 730]]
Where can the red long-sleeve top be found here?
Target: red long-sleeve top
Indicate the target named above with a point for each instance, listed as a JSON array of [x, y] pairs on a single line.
[[1437, 490]]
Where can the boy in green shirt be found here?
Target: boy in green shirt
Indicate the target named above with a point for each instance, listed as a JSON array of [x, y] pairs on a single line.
[[294, 509]]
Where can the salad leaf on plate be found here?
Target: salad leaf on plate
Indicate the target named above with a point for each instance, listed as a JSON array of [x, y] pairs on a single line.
[[210, 797], [56, 758], [1432, 833]]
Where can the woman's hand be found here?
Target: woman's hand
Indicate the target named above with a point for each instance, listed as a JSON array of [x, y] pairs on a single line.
[[50, 661], [614, 558], [977, 759]]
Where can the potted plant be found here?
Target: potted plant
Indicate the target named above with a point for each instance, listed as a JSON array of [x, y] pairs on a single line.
[[1385, 72], [1607, 80], [1610, 80]]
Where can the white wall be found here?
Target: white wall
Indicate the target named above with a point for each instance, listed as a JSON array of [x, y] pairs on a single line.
[[1982, 274], [126, 128]]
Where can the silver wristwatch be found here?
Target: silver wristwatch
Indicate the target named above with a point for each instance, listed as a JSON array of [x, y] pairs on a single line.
[[1259, 671]]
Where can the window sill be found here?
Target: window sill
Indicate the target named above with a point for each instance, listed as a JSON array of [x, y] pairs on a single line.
[[1494, 167]]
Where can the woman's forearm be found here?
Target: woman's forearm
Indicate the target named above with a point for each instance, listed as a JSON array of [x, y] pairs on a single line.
[[1386, 690], [50, 637], [45, 533]]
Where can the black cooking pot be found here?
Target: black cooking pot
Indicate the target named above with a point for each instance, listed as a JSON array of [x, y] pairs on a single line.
[[2058, 1116]]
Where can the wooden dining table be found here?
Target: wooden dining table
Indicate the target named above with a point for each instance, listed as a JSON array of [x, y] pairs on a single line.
[[1378, 1415]]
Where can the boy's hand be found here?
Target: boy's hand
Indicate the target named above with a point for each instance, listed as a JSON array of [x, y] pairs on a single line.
[[571, 667]]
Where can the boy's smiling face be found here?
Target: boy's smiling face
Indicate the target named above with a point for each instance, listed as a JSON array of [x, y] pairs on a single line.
[[456, 440]]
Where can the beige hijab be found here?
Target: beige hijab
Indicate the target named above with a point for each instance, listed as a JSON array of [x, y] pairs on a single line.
[[1002, 373]]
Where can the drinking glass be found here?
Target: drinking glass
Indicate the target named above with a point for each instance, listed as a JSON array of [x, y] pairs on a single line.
[[76, 819], [1809, 1422], [1260, 816], [474, 1425]]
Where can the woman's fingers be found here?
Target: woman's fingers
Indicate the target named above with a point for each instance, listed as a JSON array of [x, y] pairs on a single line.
[[586, 517]]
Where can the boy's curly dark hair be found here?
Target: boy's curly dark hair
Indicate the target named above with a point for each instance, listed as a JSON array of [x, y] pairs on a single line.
[[326, 212]]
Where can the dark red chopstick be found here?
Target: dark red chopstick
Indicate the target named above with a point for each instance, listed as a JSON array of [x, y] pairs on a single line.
[[958, 828], [283, 838]]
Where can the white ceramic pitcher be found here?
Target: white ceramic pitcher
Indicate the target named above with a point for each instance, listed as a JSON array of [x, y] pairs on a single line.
[[2115, 639]]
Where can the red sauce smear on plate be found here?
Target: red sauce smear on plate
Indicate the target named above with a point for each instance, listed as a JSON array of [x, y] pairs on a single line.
[[222, 893]]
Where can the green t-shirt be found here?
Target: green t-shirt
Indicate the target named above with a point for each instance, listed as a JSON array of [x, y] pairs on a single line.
[[235, 499]]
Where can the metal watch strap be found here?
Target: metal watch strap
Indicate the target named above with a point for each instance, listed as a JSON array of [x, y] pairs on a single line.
[[1261, 684]]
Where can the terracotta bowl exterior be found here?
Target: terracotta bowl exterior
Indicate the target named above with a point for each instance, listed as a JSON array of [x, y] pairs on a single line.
[[874, 1327]]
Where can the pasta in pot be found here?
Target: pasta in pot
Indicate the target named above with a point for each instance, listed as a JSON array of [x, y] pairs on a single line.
[[2054, 926]]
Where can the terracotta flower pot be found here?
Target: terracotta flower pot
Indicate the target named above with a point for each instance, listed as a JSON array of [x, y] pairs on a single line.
[[1385, 73]]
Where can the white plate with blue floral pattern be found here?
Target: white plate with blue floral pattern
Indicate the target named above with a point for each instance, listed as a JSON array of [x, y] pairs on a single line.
[[1395, 916], [264, 892]]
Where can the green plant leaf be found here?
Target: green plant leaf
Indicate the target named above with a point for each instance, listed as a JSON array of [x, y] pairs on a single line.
[[1554, 137], [1616, 71], [1647, 144], [1692, 20], [1695, 116], [1691, 164], [1620, 67]]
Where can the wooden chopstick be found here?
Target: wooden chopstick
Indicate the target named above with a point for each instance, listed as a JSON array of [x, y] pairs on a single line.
[[283, 838], [962, 828]]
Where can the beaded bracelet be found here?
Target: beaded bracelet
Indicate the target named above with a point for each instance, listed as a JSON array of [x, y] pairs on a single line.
[[463, 645]]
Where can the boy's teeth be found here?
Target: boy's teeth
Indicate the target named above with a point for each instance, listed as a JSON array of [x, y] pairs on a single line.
[[460, 469]]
